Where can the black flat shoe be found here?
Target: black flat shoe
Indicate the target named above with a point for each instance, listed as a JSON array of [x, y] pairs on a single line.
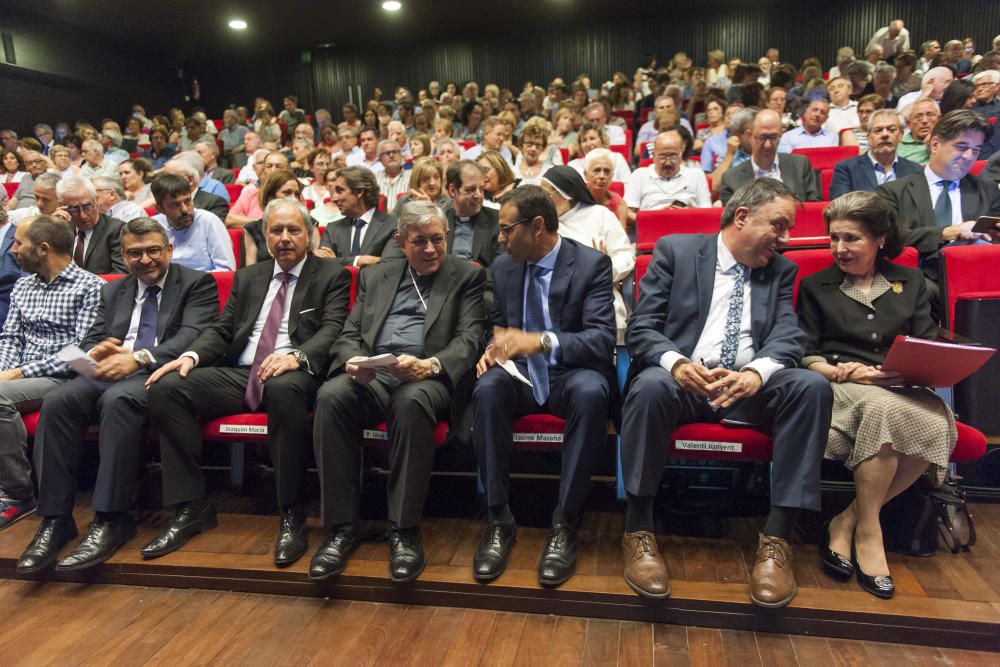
[[292, 536], [406, 554], [53, 534], [103, 539], [558, 561], [834, 564], [191, 519], [331, 557], [880, 586], [493, 551]]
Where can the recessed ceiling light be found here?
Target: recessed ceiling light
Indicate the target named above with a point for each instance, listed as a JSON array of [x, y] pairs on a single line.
[[238, 24], [325, 45], [392, 5]]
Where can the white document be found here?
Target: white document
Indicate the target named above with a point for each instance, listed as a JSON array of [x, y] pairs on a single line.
[[511, 368], [378, 361], [81, 364]]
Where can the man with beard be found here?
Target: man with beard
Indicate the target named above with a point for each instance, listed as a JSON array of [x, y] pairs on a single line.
[[199, 238]]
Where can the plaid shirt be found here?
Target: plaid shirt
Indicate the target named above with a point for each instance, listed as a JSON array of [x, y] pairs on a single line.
[[45, 317]]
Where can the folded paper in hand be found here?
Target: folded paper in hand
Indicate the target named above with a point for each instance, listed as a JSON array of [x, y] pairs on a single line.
[[378, 361], [82, 364], [511, 368]]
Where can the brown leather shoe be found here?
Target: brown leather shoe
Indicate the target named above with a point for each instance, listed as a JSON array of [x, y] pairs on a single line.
[[772, 583], [644, 568]]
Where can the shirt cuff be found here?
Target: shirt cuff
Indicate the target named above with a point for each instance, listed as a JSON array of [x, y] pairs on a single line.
[[554, 354], [765, 367], [191, 355], [354, 262], [669, 359]]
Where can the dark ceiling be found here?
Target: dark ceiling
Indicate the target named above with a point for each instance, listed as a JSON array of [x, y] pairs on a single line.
[[193, 30]]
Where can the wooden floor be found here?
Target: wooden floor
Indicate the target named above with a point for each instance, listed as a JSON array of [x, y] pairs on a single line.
[[77, 624], [947, 600]]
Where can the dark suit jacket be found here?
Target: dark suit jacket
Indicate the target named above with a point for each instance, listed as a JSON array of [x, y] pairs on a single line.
[[676, 294], [454, 323], [9, 273], [223, 175], [858, 173], [486, 230], [796, 173], [104, 250], [188, 304], [378, 241], [212, 203], [837, 327], [911, 198], [318, 310], [992, 171]]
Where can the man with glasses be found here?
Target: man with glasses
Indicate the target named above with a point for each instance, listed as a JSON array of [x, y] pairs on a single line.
[[94, 161], [924, 115], [98, 237], [36, 165], [765, 161], [427, 313], [51, 307], [143, 321], [392, 179], [668, 182]]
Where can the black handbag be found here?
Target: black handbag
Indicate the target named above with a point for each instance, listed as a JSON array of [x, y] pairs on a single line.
[[954, 521], [910, 521]]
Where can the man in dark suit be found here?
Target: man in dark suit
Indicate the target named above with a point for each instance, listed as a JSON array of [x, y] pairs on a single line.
[[880, 164], [765, 161], [365, 235], [714, 336], [9, 270], [269, 348], [428, 312], [472, 228], [144, 321], [554, 318], [97, 247], [939, 205], [991, 173]]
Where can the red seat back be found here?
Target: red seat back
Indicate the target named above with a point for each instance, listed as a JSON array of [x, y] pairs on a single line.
[[627, 116], [622, 150], [977, 167], [825, 180], [651, 225], [816, 259], [224, 282], [826, 157], [354, 283], [641, 264], [234, 190], [151, 211], [218, 125], [381, 203], [969, 269], [236, 238], [618, 188], [11, 188], [565, 155], [809, 220], [466, 145]]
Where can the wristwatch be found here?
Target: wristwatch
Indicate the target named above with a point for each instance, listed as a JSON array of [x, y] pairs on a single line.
[[546, 341], [435, 366], [143, 358], [301, 357]]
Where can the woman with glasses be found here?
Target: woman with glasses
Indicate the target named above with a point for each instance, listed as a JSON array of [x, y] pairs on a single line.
[[535, 156]]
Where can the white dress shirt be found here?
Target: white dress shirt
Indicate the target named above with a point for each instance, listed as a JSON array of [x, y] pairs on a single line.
[[954, 194], [774, 172], [282, 343], [646, 190], [709, 348]]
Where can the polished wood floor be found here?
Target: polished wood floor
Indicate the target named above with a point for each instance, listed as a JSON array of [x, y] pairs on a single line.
[[76, 624]]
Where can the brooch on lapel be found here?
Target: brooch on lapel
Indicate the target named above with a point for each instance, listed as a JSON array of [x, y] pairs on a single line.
[[897, 287]]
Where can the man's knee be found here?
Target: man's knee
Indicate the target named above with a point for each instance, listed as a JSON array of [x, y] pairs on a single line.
[[589, 392], [493, 387], [653, 386]]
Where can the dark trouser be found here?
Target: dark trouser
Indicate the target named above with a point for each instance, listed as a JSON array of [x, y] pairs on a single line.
[[66, 413], [177, 405], [343, 409], [580, 396], [796, 403]]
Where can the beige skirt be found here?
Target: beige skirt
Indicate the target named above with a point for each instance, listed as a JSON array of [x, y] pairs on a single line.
[[915, 421]]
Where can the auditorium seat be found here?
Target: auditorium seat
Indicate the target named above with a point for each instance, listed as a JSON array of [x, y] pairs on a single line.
[[977, 167], [626, 115], [826, 157], [381, 203], [150, 211], [618, 187], [218, 125], [969, 272], [234, 190], [466, 145], [565, 155], [825, 181], [236, 237], [11, 188], [651, 225], [815, 260], [810, 228], [622, 149]]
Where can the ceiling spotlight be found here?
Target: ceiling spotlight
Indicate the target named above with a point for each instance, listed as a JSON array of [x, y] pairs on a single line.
[[392, 5], [238, 24]]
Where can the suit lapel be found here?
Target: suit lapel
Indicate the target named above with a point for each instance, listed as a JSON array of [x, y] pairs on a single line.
[[256, 293], [379, 298], [921, 198], [440, 292], [760, 296], [479, 234], [970, 198], [95, 239], [373, 234], [168, 301], [562, 278], [515, 295], [301, 289], [342, 237], [705, 279], [122, 318], [869, 171]]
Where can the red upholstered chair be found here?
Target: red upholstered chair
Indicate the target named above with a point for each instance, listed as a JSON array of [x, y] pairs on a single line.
[[651, 225], [810, 228], [618, 187], [645, 161], [816, 259], [11, 188], [565, 155], [627, 116], [621, 149], [151, 211], [977, 167], [218, 125], [969, 272], [825, 181], [466, 145], [381, 203], [234, 190], [236, 237], [828, 157], [401, 195]]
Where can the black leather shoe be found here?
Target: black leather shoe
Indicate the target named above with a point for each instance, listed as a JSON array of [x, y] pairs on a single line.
[[53, 534], [331, 557], [190, 520], [493, 550], [103, 539], [558, 561], [881, 586], [836, 566], [292, 536], [406, 554]]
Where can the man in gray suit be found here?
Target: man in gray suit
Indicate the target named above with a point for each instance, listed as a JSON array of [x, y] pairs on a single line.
[[143, 322], [714, 336], [428, 312], [365, 235], [97, 247], [879, 164], [765, 161]]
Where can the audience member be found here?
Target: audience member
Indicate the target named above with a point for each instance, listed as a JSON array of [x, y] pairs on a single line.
[[498, 175], [843, 113], [598, 168], [97, 247], [198, 237], [427, 184], [95, 163], [591, 136], [933, 84], [111, 140], [133, 174], [811, 134], [232, 135], [9, 270], [668, 182], [368, 156], [472, 227], [189, 166], [111, 201], [159, 151], [364, 235], [208, 151], [923, 117], [880, 164], [247, 208], [393, 181]]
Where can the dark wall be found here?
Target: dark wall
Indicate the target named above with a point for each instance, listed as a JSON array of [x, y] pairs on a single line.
[[800, 28]]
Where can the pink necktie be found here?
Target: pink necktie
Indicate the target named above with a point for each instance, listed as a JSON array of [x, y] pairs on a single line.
[[265, 346]]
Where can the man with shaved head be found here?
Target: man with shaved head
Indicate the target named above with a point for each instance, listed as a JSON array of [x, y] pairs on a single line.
[[95, 163], [892, 39]]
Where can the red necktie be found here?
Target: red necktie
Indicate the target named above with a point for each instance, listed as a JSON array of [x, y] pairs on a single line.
[[265, 346], [81, 240]]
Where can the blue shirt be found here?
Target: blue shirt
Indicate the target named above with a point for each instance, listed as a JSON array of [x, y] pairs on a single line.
[[204, 245], [797, 137], [547, 262], [214, 187]]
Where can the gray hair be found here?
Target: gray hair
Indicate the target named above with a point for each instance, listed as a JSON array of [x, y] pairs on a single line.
[[190, 162], [448, 140], [47, 180], [753, 195], [873, 118], [884, 69], [109, 183], [419, 214], [741, 121], [385, 142], [93, 144], [212, 146], [598, 154], [115, 137], [275, 204], [143, 225], [75, 185], [44, 128]]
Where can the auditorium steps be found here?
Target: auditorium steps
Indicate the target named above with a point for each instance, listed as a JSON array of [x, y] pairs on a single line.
[[948, 600]]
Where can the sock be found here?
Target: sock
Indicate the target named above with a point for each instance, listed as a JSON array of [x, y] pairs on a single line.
[[501, 514], [781, 521], [640, 514]]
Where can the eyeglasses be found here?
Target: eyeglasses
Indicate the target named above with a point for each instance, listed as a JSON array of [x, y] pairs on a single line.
[[421, 241], [505, 229], [386, 153], [668, 157], [77, 210], [136, 253]]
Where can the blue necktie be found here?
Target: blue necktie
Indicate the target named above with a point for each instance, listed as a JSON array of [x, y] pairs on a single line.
[[534, 320], [356, 241], [942, 207], [734, 322], [145, 337]]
